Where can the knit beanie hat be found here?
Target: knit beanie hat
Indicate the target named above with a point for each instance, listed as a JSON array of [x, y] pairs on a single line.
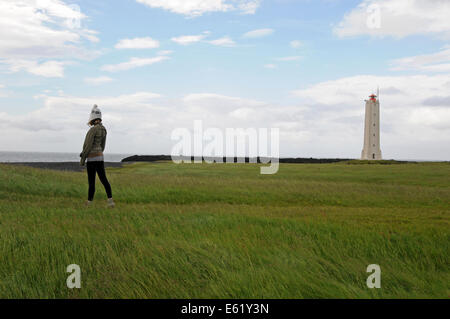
[[95, 114]]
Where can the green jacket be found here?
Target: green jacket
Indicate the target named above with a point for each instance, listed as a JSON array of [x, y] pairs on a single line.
[[94, 142]]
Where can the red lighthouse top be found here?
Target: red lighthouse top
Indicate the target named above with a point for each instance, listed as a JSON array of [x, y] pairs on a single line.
[[373, 97]]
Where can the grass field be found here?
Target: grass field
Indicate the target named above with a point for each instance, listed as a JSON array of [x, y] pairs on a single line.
[[225, 231]]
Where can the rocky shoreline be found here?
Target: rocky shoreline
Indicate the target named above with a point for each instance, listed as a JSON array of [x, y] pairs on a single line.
[[156, 158]]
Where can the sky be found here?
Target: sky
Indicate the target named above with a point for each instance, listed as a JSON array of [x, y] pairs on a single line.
[[152, 66]]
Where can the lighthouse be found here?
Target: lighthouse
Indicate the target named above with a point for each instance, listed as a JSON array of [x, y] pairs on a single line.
[[372, 150]]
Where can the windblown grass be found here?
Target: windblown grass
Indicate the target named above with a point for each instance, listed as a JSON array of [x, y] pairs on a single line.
[[224, 231]]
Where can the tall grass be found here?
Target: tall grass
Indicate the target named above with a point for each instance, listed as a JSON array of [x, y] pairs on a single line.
[[224, 231]]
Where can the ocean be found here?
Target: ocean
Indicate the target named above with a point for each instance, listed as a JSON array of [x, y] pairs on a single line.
[[13, 157]]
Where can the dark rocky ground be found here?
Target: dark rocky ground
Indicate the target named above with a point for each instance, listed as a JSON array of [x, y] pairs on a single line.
[[154, 158], [298, 160], [63, 166]]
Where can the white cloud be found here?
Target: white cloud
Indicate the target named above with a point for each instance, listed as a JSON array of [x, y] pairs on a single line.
[[98, 81], [296, 44], [61, 122], [397, 18], [249, 6], [189, 39], [224, 42], [137, 43], [206, 98], [259, 33], [165, 52], [136, 123], [243, 113], [133, 63], [49, 69], [435, 62], [289, 58], [270, 66], [193, 8], [35, 30]]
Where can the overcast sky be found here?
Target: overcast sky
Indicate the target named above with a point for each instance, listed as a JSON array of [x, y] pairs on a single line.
[[302, 66]]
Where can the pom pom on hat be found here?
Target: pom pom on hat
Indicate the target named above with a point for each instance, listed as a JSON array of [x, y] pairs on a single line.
[[95, 114]]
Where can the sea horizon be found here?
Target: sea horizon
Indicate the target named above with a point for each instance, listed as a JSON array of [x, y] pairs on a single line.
[[24, 157]]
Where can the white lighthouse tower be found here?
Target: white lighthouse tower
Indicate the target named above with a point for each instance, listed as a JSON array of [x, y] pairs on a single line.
[[372, 150]]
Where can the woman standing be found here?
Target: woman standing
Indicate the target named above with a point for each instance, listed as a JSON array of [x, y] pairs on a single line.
[[94, 145]]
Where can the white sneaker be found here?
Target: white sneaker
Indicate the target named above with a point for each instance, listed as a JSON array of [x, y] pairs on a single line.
[[111, 203], [88, 203]]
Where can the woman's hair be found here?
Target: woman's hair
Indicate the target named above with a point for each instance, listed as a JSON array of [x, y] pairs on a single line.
[[91, 123]]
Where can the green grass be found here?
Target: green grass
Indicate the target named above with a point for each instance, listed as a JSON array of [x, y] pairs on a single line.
[[225, 231]]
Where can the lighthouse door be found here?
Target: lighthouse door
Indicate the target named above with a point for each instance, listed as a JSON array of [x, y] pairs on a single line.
[[373, 156]]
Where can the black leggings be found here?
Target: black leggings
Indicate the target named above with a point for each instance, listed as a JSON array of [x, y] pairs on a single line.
[[99, 168]]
